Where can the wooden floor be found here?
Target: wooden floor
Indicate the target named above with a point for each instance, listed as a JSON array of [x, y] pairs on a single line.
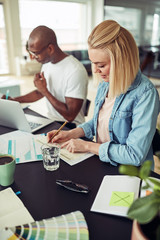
[[26, 85]]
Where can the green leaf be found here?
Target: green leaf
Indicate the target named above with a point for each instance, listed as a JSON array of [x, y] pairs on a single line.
[[154, 184], [129, 170], [155, 181], [145, 209], [146, 185], [145, 169]]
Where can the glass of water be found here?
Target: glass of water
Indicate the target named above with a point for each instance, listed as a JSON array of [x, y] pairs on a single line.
[[51, 156]]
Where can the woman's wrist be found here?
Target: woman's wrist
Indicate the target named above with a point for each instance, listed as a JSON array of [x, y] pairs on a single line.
[[92, 147], [76, 133]]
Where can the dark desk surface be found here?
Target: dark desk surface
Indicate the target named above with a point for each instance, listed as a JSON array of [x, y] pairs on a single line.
[[44, 199]]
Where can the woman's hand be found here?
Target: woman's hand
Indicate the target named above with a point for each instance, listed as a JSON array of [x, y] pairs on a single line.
[[75, 145], [62, 136], [65, 135], [79, 145]]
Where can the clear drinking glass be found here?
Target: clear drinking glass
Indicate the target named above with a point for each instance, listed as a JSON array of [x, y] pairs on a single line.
[[51, 156]]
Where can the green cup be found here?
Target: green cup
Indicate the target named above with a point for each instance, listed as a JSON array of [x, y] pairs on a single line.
[[7, 169]]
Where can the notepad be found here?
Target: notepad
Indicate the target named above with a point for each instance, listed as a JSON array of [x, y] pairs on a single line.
[[12, 210], [116, 194]]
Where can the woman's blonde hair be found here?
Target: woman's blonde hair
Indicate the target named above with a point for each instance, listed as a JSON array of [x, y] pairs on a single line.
[[123, 51]]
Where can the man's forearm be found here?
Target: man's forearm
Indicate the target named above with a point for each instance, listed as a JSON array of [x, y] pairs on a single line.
[[65, 109], [30, 97]]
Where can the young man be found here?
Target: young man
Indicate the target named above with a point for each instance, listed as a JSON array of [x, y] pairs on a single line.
[[63, 80]]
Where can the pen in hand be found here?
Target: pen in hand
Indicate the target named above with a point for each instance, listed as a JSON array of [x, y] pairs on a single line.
[[57, 131], [7, 94]]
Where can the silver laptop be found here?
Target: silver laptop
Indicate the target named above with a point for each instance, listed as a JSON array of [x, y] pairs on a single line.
[[13, 116]]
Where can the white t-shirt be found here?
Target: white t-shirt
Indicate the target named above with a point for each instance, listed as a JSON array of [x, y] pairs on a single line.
[[67, 78]]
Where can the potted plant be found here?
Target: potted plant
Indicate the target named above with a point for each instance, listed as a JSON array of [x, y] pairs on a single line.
[[145, 211]]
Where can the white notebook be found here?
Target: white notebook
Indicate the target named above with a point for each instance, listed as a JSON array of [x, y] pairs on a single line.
[[12, 210], [116, 194]]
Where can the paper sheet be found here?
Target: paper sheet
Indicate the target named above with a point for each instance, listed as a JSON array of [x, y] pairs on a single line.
[[12, 210], [26, 147], [25, 105], [38, 106], [116, 194], [21, 145]]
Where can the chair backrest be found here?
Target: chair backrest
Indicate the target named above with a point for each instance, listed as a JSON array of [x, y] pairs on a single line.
[[88, 102], [156, 142]]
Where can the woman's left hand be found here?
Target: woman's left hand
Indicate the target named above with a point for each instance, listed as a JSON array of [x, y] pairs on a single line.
[[75, 145]]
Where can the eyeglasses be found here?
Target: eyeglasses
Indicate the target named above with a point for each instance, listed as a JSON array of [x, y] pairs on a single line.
[[35, 54], [73, 186]]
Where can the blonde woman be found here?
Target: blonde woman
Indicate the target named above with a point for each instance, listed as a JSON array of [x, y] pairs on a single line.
[[126, 104]]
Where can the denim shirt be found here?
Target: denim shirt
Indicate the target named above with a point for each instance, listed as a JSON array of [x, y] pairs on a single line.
[[132, 123]]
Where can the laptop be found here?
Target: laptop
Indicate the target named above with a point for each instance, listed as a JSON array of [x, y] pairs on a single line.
[[13, 116]]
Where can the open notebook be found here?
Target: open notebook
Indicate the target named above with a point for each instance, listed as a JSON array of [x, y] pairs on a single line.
[[13, 116]]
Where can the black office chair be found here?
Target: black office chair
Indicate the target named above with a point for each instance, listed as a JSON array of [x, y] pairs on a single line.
[[88, 102], [156, 142]]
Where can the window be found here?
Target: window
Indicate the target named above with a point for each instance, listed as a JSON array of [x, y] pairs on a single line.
[[3, 44], [142, 22], [129, 18], [152, 29], [67, 19]]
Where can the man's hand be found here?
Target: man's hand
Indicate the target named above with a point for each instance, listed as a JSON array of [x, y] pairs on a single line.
[[40, 83], [9, 98]]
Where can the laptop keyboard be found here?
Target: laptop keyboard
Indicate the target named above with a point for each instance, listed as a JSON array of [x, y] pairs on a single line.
[[34, 125]]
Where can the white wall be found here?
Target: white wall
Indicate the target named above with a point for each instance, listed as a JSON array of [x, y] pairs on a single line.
[[96, 12], [13, 31]]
